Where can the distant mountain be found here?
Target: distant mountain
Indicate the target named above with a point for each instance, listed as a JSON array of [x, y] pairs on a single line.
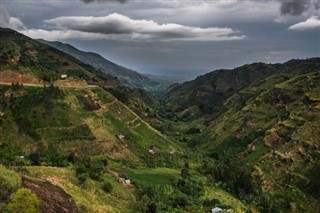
[[206, 93], [126, 76]]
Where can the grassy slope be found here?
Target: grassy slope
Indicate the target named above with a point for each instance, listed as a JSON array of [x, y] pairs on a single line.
[[73, 127], [275, 122], [207, 92], [89, 197], [72, 124]]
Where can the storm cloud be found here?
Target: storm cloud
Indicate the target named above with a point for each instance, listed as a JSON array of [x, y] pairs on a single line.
[[104, 1], [287, 7], [210, 34], [9, 22], [297, 7], [120, 27]]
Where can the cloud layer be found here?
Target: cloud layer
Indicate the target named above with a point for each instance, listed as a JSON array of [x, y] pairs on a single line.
[[287, 7], [119, 27], [311, 23], [297, 7], [9, 22], [102, 1]]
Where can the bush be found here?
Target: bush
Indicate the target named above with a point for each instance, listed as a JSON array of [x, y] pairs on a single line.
[[4, 208], [24, 201], [82, 177], [107, 186], [9, 183], [81, 173]]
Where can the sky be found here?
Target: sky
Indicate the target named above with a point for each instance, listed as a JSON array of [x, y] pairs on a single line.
[[179, 39]]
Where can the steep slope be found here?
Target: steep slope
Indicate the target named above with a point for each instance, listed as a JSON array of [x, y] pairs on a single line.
[[63, 122], [72, 112], [268, 128], [89, 118], [125, 75], [29, 61], [206, 93], [27, 56]]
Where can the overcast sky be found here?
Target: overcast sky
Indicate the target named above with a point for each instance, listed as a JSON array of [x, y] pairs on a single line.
[[178, 38]]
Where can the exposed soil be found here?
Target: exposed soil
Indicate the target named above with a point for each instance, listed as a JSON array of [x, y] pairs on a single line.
[[273, 140], [52, 198], [70, 83], [10, 76]]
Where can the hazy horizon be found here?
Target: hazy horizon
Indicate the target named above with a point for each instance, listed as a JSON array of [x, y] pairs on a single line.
[[181, 39]]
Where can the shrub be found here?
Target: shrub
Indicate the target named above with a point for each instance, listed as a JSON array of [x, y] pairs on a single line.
[[24, 201], [9, 183], [81, 173], [107, 186], [82, 177]]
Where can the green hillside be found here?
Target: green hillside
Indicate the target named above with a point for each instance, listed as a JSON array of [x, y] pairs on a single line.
[[72, 134], [268, 128], [244, 140], [206, 93]]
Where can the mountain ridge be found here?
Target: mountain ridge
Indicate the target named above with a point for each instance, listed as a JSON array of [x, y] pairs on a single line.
[[126, 76]]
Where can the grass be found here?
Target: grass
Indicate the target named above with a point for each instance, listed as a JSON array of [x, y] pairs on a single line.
[[11, 177], [255, 155], [161, 176], [67, 121], [81, 132], [225, 199], [89, 197]]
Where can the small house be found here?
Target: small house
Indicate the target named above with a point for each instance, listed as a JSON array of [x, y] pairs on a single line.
[[122, 180], [64, 76], [121, 137], [216, 209], [7, 94], [153, 150]]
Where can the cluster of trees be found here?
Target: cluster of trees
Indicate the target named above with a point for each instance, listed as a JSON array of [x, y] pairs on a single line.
[[183, 195], [11, 155], [163, 159], [121, 93], [224, 170], [93, 168], [50, 156], [21, 106]]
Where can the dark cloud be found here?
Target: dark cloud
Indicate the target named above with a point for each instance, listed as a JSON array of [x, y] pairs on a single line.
[[4, 16], [7, 21], [297, 7], [104, 1], [119, 27]]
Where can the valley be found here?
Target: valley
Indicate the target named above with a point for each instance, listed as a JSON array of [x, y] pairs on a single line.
[[241, 140]]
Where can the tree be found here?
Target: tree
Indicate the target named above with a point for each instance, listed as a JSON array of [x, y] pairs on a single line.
[[24, 201], [184, 173], [6, 189], [106, 186]]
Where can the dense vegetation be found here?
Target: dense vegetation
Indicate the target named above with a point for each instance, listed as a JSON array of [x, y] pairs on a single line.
[[245, 139], [262, 144]]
